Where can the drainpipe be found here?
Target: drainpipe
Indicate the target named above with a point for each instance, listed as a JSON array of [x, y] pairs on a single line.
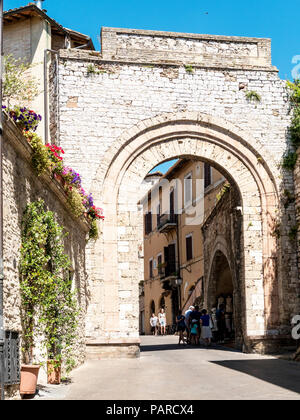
[[46, 104], [2, 332]]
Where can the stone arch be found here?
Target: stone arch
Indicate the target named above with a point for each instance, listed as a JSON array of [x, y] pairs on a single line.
[[220, 246], [222, 254], [235, 153]]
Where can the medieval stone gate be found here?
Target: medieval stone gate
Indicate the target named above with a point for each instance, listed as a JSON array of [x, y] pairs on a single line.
[[152, 96]]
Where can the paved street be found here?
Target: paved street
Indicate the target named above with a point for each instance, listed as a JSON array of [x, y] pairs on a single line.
[[167, 371]]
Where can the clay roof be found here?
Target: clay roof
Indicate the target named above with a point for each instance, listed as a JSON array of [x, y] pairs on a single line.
[[21, 13]]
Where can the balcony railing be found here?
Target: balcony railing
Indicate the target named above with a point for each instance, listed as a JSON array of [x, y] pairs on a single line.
[[171, 270], [166, 222]]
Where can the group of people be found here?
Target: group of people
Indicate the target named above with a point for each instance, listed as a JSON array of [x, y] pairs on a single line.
[[194, 325], [158, 322]]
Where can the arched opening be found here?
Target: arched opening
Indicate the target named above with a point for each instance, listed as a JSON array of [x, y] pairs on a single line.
[[241, 159], [152, 307]]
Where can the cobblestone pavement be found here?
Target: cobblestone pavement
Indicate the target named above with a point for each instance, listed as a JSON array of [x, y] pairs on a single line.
[[167, 371]]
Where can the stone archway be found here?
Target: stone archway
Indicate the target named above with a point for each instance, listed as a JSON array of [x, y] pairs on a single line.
[[113, 311], [221, 284]]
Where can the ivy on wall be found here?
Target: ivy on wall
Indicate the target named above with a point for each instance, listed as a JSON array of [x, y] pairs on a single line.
[[49, 305], [290, 159]]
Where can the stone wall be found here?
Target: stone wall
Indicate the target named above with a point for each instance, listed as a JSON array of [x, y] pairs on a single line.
[[297, 204], [146, 79], [222, 232], [22, 186], [205, 50], [96, 108]]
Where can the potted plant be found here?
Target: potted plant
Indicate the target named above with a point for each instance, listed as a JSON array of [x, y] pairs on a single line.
[[32, 274], [49, 305], [25, 118], [58, 306]]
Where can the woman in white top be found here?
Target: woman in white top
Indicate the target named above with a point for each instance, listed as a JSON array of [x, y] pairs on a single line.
[[162, 321], [153, 323]]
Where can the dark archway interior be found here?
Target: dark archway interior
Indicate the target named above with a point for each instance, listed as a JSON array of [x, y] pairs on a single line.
[[222, 297]]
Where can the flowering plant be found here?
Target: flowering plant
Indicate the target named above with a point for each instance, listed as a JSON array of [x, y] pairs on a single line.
[[24, 117], [95, 213], [49, 157], [71, 176], [55, 158]]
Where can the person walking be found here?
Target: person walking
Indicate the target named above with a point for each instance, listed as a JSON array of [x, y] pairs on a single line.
[[194, 331], [153, 323], [187, 321], [205, 322], [220, 314], [162, 321], [180, 321], [196, 315], [214, 329]]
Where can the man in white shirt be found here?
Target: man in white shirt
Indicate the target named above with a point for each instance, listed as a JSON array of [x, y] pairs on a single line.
[[153, 323]]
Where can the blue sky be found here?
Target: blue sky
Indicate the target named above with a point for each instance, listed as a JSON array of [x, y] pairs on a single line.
[[256, 18], [274, 19]]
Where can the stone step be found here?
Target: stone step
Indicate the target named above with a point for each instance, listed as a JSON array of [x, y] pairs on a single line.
[[116, 348]]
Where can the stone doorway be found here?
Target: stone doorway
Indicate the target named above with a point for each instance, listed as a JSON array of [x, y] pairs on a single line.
[[222, 294]]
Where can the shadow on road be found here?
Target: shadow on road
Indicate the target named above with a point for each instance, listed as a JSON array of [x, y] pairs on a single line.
[[277, 372], [162, 347]]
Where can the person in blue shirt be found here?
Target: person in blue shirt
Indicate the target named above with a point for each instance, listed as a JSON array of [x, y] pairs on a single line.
[[205, 322]]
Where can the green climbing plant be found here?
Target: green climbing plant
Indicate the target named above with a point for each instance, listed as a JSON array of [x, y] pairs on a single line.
[[253, 96], [289, 161], [49, 305], [294, 96], [17, 84]]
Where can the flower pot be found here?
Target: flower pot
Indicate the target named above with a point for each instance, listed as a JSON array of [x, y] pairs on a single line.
[[58, 177], [54, 372], [29, 377]]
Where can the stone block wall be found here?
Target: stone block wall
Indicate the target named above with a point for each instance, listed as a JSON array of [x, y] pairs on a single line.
[[22, 186], [96, 108], [143, 76], [222, 233], [297, 205], [205, 50]]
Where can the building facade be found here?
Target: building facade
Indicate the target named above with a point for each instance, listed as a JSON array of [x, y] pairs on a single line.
[[150, 96], [175, 210]]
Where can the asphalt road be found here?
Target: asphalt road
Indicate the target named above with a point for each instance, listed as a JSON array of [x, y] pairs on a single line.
[[166, 371]]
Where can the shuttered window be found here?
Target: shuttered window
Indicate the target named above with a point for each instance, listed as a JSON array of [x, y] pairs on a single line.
[[151, 269], [159, 264], [148, 223], [207, 175], [189, 247]]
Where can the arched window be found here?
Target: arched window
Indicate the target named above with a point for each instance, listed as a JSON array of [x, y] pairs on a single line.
[[162, 303], [152, 307]]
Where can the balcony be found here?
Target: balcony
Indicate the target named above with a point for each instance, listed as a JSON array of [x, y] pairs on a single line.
[[166, 222], [169, 272]]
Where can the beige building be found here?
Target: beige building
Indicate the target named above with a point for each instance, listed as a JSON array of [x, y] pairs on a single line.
[[30, 35], [174, 212]]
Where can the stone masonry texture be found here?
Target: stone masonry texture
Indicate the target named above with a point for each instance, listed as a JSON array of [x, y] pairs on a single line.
[[22, 186], [107, 105]]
